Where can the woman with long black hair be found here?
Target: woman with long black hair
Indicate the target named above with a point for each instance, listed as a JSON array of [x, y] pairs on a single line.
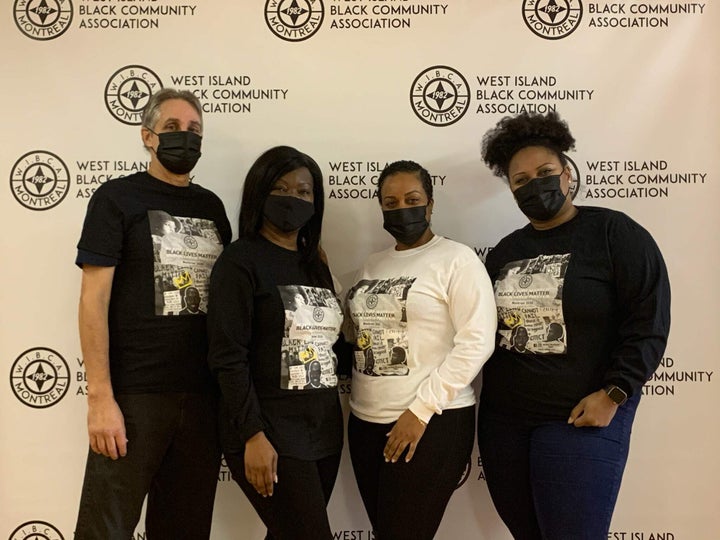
[[273, 320]]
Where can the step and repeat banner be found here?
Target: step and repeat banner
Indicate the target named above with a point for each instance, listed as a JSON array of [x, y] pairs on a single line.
[[357, 84]]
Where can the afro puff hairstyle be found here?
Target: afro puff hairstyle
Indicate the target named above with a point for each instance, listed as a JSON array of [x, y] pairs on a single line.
[[514, 133]]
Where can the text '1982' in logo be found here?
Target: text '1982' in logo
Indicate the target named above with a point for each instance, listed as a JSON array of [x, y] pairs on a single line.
[[36, 530], [128, 91], [39, 180], [43, 19], [552, 19], [440, 96], [294, 20], [40, 377]]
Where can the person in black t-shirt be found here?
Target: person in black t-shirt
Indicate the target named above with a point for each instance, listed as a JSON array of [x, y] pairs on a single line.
[[273, 320], [151, 406], [583, 304]]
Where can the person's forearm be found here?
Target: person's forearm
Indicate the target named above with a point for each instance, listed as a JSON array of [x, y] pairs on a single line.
[[94, 335]]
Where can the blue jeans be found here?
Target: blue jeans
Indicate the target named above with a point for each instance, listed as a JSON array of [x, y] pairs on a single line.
[[555, 481], [173, 457]]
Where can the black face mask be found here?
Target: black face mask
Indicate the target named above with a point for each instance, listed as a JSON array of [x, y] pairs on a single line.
[[178, 151], [406, 225], [288, 213], [541, 198]]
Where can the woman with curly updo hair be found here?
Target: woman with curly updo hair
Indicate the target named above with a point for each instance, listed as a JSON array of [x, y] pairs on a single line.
[[556, 414]]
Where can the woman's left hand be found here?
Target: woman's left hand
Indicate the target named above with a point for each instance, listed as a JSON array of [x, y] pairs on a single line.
[[596, 410], [407, 432]]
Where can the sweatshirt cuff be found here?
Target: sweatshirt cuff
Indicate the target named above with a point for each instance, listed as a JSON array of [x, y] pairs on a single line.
[[423, 412]]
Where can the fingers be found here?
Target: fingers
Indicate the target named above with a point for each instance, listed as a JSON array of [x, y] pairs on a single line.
[[394, 449], [263, 480], [109, 445], [576, 413], [121, 444], [264, 477], [411, 452]]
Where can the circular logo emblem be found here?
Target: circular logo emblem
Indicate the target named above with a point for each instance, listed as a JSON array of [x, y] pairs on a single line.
[[371, 301], [128, 91], [40, 377], [440, 96], [190, 242], [525, 281], [574, 177], [43, 19], [294, 20], [39, 180], [318, 314], [552, 19], [465, 474], [36, 530]]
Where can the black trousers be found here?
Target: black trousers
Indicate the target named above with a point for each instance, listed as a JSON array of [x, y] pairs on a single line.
[[173, 457], [406, 501], [297, 508]]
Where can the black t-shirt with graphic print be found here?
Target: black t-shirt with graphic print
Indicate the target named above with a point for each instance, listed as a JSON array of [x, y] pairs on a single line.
[[580, 306], [162, 240], [272, 332]]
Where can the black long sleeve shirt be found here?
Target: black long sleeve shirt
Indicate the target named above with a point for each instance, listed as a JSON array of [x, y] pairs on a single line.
[[580, 306], [271, 332]]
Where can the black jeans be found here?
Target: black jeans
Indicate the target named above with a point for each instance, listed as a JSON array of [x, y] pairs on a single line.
[[173, 457], [406, 501], [297, 508], [555, 481]]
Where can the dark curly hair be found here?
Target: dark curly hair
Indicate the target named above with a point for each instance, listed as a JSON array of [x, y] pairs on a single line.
[[514, 133]]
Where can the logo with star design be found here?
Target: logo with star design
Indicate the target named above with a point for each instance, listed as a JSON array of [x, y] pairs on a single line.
[[43, 19], [294, 20], [128, 91], [552, 19], [574, 177], [440, 96], [36, 530], [39, 180], [40, 377]]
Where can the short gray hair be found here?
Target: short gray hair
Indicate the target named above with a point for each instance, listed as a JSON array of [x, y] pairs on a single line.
[[152, 109]]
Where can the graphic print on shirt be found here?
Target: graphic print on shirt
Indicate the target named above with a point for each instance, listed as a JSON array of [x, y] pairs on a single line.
[[313, 318], [528, 294], [379, 311], [185, 250]]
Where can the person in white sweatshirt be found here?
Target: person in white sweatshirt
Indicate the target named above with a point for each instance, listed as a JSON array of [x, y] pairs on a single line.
[[423, 312]]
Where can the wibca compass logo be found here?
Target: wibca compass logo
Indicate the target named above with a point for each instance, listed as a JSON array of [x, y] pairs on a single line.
[[40, 377], [552, 19], [36, 530], [43, 19], [440, 96], [128, 91], [39, 180], [294, 20], [574, 177]]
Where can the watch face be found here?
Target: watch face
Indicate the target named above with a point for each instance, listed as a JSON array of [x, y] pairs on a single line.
[[617, 395]]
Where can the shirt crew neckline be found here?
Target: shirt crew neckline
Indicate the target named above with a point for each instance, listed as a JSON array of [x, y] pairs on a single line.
[[556, 230], [156, 183], [413, 251]]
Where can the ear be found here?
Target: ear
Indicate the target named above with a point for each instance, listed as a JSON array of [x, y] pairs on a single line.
[[430, 205], [147, 137]]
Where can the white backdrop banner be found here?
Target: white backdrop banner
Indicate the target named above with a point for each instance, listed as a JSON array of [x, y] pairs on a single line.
[[357, 84]]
